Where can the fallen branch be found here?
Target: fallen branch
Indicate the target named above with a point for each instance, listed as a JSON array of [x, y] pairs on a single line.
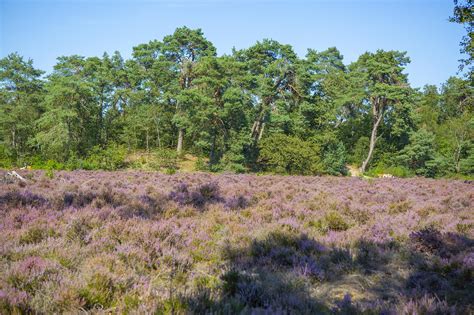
[[16, 175]]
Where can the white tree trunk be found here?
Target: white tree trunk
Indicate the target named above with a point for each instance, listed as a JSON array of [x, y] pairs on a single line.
[[373, 139], [179, 148]]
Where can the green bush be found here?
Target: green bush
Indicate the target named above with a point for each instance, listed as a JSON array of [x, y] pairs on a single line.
[[110, 159], [5, 160], [467, 164], [54, 165], [333, 154], [36, 162], [165, 159], [99, 291], [421, 157], [233, 162], [234, 159], [289, 155], [331, 221], [35, 235]]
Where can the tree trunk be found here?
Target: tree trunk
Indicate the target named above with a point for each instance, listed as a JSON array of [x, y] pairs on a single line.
[[158, 134], [255, 127], [179, 147], [213, 147], [373, 140], [147, 141], [457, 158], [13, 138], [260, 134]]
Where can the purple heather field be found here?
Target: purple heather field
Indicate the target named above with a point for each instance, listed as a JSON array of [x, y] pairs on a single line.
[[139, 242]]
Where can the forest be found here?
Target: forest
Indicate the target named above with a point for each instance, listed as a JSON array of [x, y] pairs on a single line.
[[259, 109]]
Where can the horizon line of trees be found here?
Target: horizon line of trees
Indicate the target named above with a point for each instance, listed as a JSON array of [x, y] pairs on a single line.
[[258, 109]]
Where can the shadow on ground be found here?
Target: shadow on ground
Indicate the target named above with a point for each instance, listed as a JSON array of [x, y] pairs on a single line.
[[283, 273]]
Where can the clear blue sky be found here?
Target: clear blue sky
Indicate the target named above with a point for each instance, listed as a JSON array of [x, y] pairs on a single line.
[[44, 30]]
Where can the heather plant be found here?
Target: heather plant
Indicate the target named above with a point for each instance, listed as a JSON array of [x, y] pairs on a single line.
[[427, 305], [236, 202], [198, 197], [141, 242], [17, 198]]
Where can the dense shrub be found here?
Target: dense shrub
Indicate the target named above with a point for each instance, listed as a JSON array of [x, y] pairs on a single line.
[[333, 154], [331, 221], [36, 234], [111, 158], [418, 154], [98, 292], [289, 155], [166, 159]]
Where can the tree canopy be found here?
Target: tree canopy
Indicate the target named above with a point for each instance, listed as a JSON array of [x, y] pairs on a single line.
[[263, 108]]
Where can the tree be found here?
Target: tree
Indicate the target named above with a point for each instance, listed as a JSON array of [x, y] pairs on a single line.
[[184, 49], [428, 108], [455, 137], [457, 98], [21, 93], [275, 93], [238, 111], [385, 86], [321, 76], [68, 126], [464, 14], [225, 119], [79, 97]]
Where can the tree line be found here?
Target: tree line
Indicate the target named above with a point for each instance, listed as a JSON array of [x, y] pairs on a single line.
[[262, 108]]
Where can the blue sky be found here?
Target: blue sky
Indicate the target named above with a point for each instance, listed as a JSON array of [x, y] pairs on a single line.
[[44, 30]]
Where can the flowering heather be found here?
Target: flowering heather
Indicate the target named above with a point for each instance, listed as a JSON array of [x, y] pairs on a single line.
[[141, 242]]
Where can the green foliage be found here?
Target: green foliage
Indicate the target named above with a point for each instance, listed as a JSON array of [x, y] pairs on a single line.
[[99, 291], [5, 160], [290, 155], [234, 159], [166, 159], [467, 164], [111, 158], [201, 165], [333, 154], [384, 94], [331, 221], [418, 152], [464, 14], [360, 150], [259, 108], [35, 235], [21, 94]]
